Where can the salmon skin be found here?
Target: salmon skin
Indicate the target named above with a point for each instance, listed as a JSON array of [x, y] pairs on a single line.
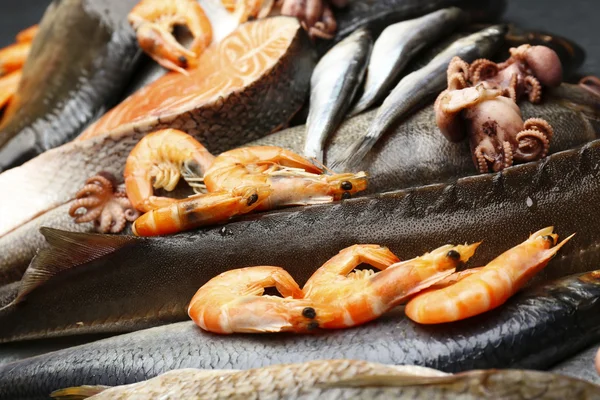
[[79, 63], [533, 330], [149, 281]]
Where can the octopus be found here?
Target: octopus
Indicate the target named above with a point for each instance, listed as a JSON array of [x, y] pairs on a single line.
[[481, 102], [316, 16], [103, 203]]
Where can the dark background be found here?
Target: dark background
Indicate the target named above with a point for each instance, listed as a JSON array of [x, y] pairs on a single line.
[[574, 19]]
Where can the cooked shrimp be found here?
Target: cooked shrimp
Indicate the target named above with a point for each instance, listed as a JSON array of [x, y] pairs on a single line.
[[8, 87], [245, 10], [294, 179], [233, 302], [158, 161], [489, 287], [27, 35], [12, 58], [200, 210], [348, 298], [153, 22]]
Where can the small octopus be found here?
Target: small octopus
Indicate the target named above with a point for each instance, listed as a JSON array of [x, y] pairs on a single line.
[[315, 16], [104, 204], [481, 103]]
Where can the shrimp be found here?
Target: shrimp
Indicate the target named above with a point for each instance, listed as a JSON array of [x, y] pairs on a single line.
[[159, 160], [489, 287], [153, 22], [233, 302], [294, 179], [27, 35], [200, 210], [8, 87], [352, 298], [13, 57]]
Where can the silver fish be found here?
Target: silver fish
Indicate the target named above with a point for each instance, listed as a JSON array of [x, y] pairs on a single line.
[[344, 379], [417, 88], [397, 45], [333, 85]]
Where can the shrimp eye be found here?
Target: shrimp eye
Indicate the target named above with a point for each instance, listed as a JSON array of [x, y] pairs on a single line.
[[549, 238], [313, 325], [182, 60], [453, 254], [346, 196], [252, 199], [346, 185], [309, 312]]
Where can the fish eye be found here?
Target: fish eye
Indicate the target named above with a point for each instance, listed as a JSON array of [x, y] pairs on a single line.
[[453, 254], [346, 185]]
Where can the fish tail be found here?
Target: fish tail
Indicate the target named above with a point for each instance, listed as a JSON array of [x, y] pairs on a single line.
[[78, 392], [351, 158]]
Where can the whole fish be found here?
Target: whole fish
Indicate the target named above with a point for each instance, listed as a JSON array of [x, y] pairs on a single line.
[[197, 103], [417, 88], [535, 329], [79, 63], [333, 85], [346, 379], [397, 45], [415, 153], [376, 15], [61, 295]]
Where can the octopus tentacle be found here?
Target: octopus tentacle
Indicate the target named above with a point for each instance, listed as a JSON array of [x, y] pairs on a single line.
[[457, 73], [534, 88], [535, 144], [541, 125], [104, 204], [508, 154], [482, 69], [511, 90], [481, 160]]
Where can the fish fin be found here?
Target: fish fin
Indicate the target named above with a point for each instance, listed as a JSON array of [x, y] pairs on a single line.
[[67, 250], [78, 392], [351, 158]]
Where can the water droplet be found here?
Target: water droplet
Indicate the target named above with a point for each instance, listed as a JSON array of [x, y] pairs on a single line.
[[529, 201]]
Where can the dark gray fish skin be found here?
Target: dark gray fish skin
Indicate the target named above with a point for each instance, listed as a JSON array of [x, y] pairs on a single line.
[[397, 45], [533, 330], [334, 83], [377, 14], [80, 62], [147, 282], [580, 366], [418, 88], [416, 153]]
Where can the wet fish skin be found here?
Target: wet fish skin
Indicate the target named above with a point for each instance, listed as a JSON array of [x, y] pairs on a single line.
[[334, 83], [417, 88], [535, 329], [580, 366], [397, 45], [416, 153], [82, 57], [499, 209], [376, 15], [345, 379]]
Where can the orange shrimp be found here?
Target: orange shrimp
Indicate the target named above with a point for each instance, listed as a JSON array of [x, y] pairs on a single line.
[[153, 22], [233, 302], [27, 35], [489, 287], [294, 179], [199, 210], [8, 87], [348, 298], [13, 57], [158, 161]]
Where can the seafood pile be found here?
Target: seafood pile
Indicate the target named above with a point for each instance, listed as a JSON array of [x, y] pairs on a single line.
[[185, 190]]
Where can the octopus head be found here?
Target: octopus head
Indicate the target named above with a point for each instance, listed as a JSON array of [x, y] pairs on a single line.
[[544, 64]]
